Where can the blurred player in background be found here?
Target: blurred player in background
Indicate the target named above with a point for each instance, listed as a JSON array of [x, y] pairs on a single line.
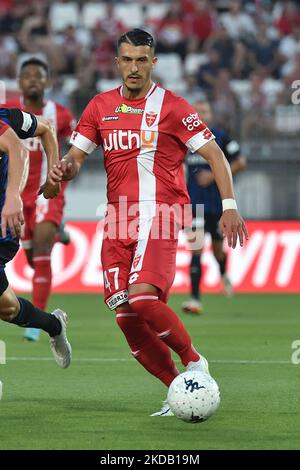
[[203, 190], [15, 124], [144, 131], [42, 217]]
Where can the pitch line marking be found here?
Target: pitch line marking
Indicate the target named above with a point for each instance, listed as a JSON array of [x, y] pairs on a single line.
[[107, 359]]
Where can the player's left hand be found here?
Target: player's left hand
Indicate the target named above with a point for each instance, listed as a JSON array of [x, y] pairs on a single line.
[[49, 190], [233, 227], [12, 215], [205, 178]]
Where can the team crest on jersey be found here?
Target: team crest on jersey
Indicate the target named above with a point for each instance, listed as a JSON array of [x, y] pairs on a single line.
[[151, 118], [125, 109]]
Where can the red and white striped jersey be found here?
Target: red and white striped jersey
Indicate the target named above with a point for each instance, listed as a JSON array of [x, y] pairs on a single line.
[[144, 141], [63, 120]]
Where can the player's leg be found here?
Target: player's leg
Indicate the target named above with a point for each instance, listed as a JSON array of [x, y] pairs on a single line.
[[144, 344], [62, 235], [195, 240], [220, 255], [47, 217], [149, 279], [21, 312], [42, 243]]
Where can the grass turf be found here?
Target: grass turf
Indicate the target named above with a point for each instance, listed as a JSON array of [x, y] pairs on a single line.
[[104, 399]]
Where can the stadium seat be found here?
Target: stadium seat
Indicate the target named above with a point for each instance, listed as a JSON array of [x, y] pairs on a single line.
[[131, 15], [155, 12], [169, 67], [105, 84], [271, 89], [70, 84], [62, 15], [193, 62], [92, 13]]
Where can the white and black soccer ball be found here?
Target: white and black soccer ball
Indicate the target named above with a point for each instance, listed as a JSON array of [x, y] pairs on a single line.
[[193, 396]]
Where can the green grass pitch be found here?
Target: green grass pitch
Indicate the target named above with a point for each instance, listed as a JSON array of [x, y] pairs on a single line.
[[104, 399]]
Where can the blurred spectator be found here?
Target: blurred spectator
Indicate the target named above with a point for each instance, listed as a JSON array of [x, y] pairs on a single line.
[[224, 102], [243, 61], [238, 23], [102, 54], [71, 51], [171, 33], [110, 25], [84, 92], [8, 55], [289, 17], [206, 78], [290, 44], [258, 114], [222, 42], [201, 23], [265, 50]]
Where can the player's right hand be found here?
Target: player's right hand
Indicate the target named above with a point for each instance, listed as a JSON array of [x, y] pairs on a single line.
[[62, 171], [12, 215], [49, 189]]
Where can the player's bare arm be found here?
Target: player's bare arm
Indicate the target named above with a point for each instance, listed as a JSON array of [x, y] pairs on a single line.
[[206, 177], [231, 222], [12, 212], [70, 165], [48, 137]]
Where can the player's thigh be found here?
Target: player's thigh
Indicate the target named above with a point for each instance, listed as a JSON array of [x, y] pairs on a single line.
[[116, 259], [9, 305], [154, 264]]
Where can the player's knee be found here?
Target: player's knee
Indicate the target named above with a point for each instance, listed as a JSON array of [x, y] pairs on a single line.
[[126, 321], [143, 303], [9, 310], [42, 247]]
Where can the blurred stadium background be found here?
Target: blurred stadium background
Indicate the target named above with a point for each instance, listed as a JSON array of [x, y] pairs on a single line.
[[243, 55]]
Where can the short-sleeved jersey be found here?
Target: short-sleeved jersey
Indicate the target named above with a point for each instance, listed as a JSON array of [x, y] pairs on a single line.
[[144, 142], [24, 125], [209, 195], [63, 120]]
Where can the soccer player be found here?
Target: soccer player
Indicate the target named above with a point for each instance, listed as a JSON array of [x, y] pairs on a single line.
[[203, 190], [144, 131], [15, 124], [42, 217]]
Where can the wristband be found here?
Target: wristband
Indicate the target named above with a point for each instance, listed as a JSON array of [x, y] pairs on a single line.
[[229, 204]]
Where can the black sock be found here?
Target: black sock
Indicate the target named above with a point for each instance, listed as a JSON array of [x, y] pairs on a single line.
[[195, 273], [32, 317], [222, 264]]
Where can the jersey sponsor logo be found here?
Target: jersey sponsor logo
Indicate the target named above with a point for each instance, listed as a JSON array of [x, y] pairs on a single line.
[[207, 134], [117, 299], [133, 278], [125, 109], [192, 121], [128, 140], [110, 118], [150, 118]]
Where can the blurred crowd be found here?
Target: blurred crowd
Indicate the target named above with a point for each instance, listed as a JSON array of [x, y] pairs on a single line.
[[243, 55]]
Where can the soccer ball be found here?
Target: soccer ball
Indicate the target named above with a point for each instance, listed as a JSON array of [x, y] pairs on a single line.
[[193, 396]]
